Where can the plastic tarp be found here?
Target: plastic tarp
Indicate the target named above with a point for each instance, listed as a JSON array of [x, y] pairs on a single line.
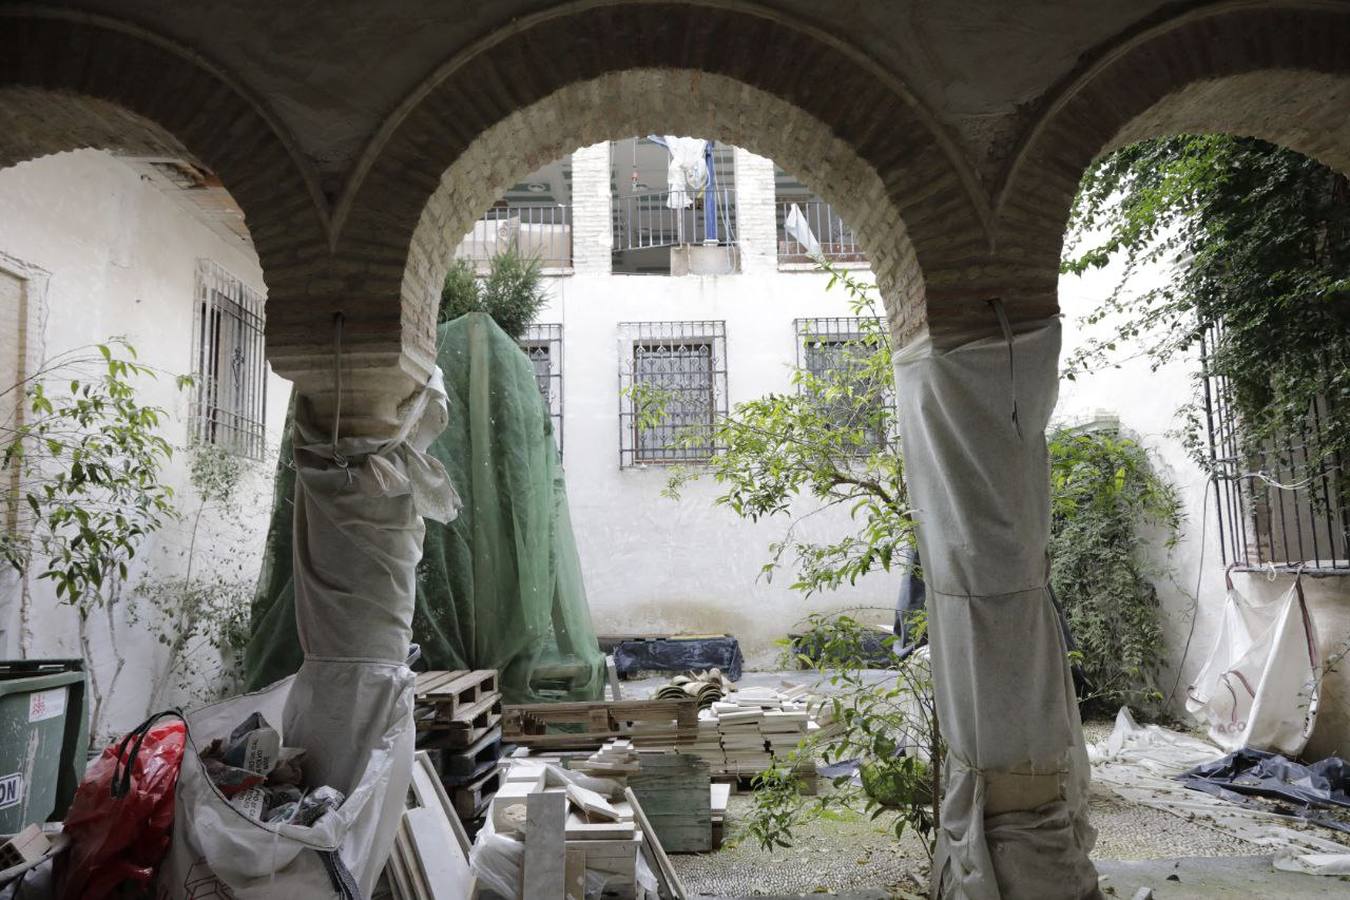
[[1259, 686], [359, 506], [1141, 764], [500, 587], [973, 417], [1257, 773]]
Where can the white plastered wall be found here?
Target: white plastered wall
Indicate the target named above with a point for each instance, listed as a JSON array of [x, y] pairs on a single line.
[[1146, 403], [652, 564], [117, 256]]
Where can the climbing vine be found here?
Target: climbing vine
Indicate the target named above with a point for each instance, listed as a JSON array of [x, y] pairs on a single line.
[[1256, 241], [1108, 508]]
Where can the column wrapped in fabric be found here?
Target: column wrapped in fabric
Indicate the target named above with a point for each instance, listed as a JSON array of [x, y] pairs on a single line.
[[1014, 822], [359, 512]]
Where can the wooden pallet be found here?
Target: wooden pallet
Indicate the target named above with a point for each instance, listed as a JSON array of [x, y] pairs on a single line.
[[451, 692], [459, 766], [486, 713], [529, 724], [470, 800]]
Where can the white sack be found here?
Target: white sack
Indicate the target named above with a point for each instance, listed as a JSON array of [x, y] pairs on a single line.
[[358, 539], [1259, 686], [980, 486]]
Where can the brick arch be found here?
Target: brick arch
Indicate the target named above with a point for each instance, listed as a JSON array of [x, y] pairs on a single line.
[[544, 86], [1275, 71], [70, 81]]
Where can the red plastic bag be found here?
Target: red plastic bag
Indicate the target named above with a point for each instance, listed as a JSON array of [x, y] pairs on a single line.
[[121, 819]]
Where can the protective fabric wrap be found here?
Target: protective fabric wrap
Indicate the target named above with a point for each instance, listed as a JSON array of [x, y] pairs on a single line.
[[359, 509], [500, 586], [1014, 822]]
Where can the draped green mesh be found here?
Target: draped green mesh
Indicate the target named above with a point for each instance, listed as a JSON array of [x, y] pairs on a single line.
[[498, 588]]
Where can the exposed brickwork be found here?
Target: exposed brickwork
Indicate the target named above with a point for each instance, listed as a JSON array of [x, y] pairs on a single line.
[[746, 79], [71, 82], [757, 228], [1281, 74], [592, 226], [745, 75]]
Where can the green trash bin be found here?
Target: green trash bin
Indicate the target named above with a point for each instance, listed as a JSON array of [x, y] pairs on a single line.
[[44, 739]]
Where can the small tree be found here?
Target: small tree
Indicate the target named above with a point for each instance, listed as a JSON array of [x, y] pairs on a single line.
[[89, 460], [889, 729], [512, 293], [833, 438]]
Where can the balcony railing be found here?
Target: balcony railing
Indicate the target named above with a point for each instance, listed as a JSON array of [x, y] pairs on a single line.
[[647, 220], [537, 232], [836, 239]]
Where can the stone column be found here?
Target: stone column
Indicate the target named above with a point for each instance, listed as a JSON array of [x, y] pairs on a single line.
[[756, 231], [973, 420], [592, 225]]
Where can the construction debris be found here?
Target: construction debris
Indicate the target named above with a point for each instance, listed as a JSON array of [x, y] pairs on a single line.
[[705, 687], [665, 721], [747, 731]]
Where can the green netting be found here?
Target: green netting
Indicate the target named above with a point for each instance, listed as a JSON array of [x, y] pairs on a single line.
[[498, 588]]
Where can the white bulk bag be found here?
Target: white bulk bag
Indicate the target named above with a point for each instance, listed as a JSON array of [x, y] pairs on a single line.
[[1259, 686], [359, 508], [218, 851]]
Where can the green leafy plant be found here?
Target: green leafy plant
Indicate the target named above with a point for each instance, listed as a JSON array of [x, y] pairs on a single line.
[[512, 293], [202, 617], [889, 729], [1257, 242], [86, 463], [1107, 502], [831, 438]]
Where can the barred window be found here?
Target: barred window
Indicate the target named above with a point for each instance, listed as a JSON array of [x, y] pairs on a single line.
[[543, 345], [1277, 504], [673, 377], [230, 368], [831, 347]]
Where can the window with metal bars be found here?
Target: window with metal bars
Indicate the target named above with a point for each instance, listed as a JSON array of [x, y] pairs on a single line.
[[1277, 504], [230, 369], [673, 380], [831, 347], [543, 345]]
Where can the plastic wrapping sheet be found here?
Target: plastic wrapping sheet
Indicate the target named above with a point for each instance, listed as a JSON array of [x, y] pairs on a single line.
[[500, 586], [1141, 764], [973, 419]]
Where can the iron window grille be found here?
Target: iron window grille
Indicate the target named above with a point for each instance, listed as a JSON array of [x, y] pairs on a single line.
[[827, 347], [543, 345], [673, 389], [1277, 506], [230, 370]]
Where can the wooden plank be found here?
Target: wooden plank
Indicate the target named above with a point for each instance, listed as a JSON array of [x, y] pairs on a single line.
[[675, 793], [433, 734], [545, 856], [652, 849], [445, 870], [430, 793]]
